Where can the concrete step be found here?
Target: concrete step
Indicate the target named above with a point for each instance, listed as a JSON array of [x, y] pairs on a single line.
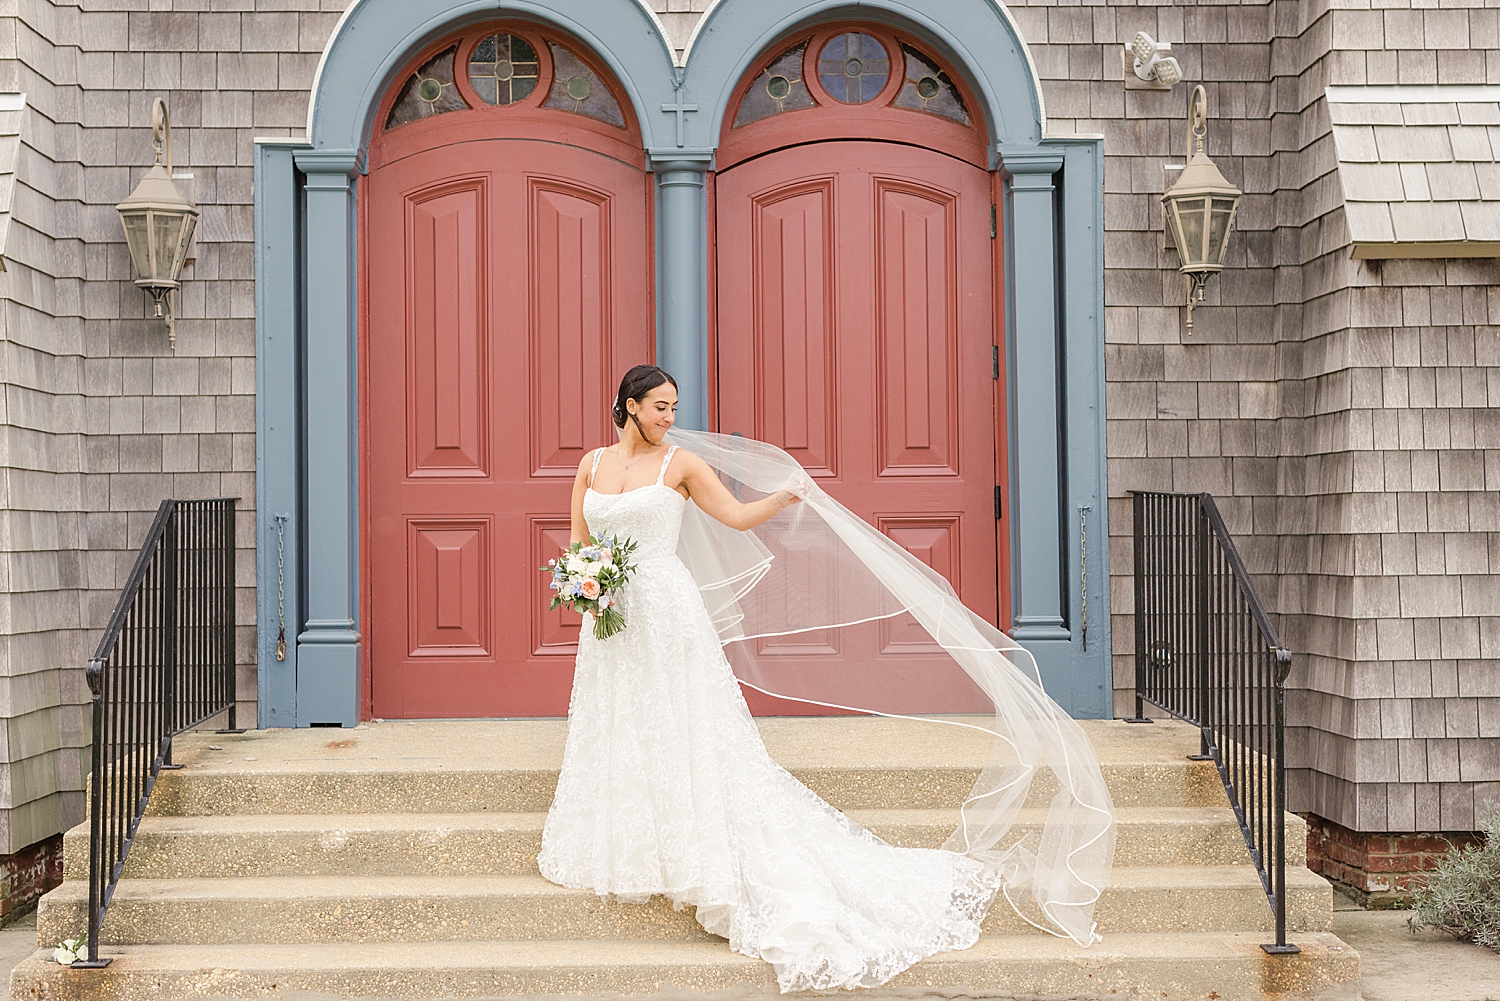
[[502, 844], [1227, 966], [477, 908], [854, 763]]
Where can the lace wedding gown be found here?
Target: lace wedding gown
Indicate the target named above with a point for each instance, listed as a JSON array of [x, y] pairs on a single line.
[[666, 788]]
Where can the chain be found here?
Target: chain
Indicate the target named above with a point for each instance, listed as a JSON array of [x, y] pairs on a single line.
[[1083, 558], [281, 586]]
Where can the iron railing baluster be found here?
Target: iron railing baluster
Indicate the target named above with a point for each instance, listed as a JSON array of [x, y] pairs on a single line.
[[1206, 653], [164, 665]]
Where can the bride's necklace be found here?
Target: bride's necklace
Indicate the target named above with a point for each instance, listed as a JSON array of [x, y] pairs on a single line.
[[630, 465]]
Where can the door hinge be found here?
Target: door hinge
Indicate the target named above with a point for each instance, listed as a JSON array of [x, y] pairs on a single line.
[[997, 504], [993, 227], [994, 361]]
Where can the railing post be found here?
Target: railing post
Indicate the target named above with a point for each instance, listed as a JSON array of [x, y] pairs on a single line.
[[94, 675], [1278, 824], [1201, 630], [171, 560], [1138, 530], [225, 636]]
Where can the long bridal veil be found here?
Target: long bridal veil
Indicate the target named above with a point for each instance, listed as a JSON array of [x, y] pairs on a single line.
[[818, 607]]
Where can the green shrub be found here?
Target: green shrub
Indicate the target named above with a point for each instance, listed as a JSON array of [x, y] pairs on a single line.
[[1462, 895]]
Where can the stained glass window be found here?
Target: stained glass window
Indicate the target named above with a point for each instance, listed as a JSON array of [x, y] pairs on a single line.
[[927, 87], [430, 91], [577, 88], [504, 69], [853, 67], [778, 88]]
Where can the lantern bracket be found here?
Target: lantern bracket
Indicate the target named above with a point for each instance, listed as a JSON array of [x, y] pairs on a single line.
[[161, 132], [1197, 121]]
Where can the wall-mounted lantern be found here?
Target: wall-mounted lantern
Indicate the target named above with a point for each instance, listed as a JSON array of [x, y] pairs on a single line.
[[159, 223], [1200, 208]]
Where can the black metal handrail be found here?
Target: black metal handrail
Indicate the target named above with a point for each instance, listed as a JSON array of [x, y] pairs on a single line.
[[165, 664], [1206, 653]]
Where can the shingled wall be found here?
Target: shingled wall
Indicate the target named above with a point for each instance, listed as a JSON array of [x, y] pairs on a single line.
[[102, 419], [1339, 410]]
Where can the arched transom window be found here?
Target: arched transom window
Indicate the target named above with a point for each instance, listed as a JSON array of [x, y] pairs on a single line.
[[502, 69], [851, 67]]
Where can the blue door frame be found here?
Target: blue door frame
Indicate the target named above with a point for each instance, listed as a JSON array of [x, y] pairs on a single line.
[[307, 442]]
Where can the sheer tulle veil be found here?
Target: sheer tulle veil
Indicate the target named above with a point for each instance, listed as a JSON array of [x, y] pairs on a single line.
[[819, 607]]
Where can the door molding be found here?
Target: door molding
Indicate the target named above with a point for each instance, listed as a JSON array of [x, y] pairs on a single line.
[[308, 499]]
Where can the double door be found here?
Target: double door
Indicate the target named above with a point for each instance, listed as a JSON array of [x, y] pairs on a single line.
[[509, 288]]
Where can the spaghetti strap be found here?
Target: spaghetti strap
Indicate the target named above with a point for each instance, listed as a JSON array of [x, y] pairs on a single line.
[[598, 454], [661, 476]]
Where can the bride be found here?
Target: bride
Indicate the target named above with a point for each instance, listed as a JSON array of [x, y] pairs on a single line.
[[666, 787]]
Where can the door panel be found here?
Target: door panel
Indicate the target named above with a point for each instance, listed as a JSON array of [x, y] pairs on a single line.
[[448, 381], [855, 325], [556, 629], [449, 581], [793, 247], [508, 289], [571, 288], [916, 329]]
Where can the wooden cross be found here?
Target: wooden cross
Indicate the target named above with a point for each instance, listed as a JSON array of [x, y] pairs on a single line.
[[680, 110]]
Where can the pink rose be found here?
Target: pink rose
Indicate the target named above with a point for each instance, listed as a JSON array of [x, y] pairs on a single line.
[[590, 587]]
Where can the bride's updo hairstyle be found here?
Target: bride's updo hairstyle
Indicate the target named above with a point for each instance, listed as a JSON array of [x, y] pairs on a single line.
[[637, 383]]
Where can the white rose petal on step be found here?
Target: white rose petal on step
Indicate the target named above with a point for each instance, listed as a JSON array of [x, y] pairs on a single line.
[[64, 957]]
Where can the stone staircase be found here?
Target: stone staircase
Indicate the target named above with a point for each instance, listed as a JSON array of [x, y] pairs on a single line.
[[397, 860]]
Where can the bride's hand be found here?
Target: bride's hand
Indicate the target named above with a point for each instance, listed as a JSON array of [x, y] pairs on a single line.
[[794, 491]]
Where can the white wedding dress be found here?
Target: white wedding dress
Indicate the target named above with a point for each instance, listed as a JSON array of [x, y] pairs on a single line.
[[666, 788]]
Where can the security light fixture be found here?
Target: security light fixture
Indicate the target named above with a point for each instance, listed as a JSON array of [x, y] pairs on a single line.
[[1152, 60], [159, 223], [1200, 208]]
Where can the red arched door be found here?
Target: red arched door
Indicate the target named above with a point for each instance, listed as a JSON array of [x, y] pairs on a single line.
[[857, 326], [506, 290]]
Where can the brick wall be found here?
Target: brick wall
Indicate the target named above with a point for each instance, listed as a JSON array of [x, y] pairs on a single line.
[[27, 874], [1379, 870]]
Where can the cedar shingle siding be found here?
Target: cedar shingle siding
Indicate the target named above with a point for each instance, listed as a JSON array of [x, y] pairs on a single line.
[[1341, 410]]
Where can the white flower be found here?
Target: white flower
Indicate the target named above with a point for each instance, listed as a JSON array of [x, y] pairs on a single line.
[[592, 568], [576, 565], [67, 957], [604, 602]]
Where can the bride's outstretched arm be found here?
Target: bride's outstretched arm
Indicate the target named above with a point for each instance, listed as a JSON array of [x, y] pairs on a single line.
[[713, 497]]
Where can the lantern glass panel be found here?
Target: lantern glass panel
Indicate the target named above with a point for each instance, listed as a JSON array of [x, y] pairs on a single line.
[[189, 223], [1218, 229], [166, 227], [1189, 212], [137, 238]]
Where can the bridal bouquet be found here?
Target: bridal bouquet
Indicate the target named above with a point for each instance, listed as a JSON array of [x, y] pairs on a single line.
[[587, 574]]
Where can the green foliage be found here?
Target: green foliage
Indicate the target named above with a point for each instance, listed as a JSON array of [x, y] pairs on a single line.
[[1462, 895]]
